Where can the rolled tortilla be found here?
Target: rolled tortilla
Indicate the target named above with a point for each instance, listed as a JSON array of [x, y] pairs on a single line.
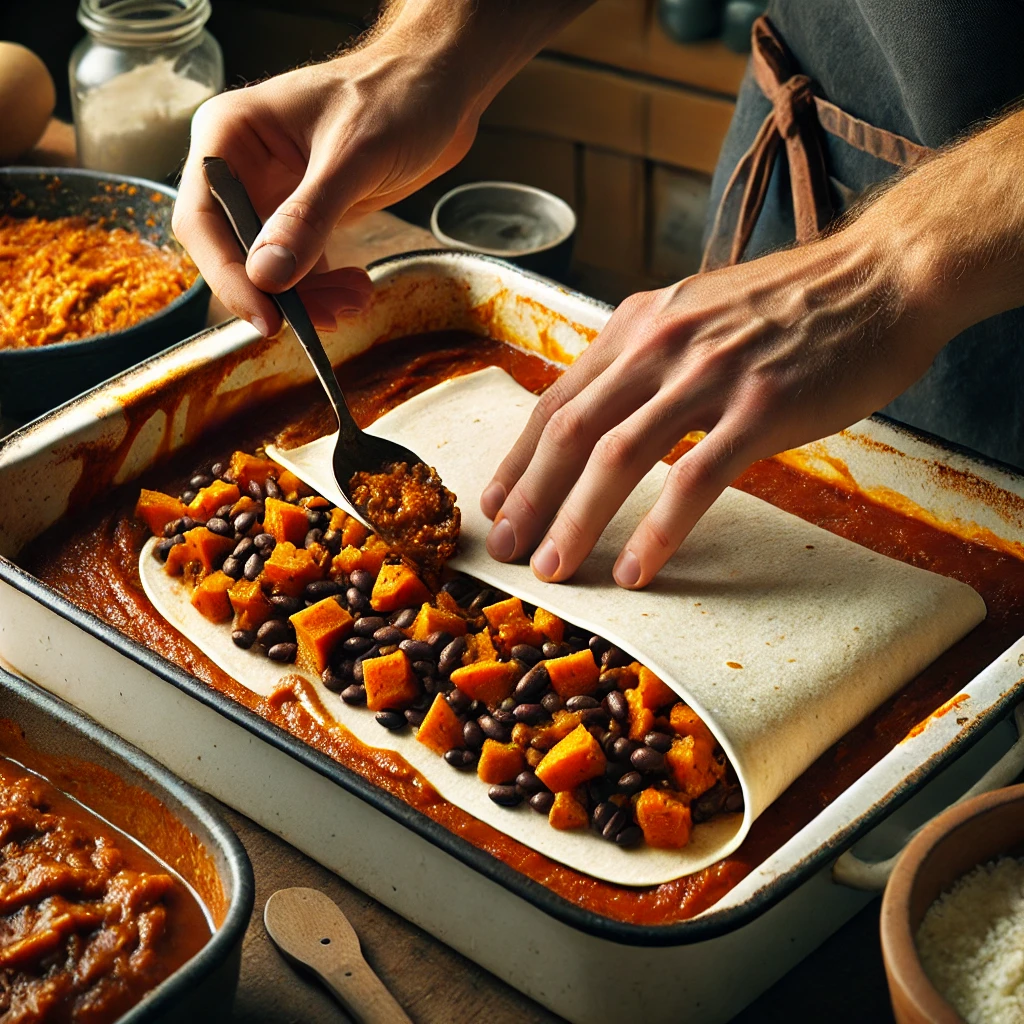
[[780, 635]]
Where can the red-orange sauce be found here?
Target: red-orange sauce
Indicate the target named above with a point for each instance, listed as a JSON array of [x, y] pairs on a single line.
[[93, 561]]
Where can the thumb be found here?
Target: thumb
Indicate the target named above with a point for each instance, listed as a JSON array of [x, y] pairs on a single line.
[[293, 239]]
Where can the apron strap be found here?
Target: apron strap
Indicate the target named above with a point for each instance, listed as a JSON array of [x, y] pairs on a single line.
[[796, 118]]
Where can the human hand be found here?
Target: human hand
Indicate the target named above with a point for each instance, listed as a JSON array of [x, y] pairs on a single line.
[[349, 136], [763, 356]]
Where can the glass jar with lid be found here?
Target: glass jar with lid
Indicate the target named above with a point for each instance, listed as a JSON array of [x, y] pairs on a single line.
[[137, 79]]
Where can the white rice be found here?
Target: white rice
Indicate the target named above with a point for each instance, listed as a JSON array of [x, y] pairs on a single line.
[[971, 943]]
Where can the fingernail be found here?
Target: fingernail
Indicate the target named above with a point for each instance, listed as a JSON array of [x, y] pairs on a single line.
[[273, 264], [501, 541], [492, 499], [627, 570], [545, 559], [261, 325]]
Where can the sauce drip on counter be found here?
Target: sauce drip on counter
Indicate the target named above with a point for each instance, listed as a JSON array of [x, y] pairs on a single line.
[[94, 562], [89, 921]]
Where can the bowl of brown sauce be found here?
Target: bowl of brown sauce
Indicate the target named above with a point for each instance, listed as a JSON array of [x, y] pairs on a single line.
[[92, 281]]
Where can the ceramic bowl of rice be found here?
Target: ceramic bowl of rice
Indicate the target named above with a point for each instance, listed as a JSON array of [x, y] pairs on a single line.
[[953, 916]]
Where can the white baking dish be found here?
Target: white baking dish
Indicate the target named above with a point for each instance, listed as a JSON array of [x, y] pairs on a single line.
[[583, 966]]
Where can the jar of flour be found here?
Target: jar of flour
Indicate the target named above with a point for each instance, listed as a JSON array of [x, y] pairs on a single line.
[[137, 79]]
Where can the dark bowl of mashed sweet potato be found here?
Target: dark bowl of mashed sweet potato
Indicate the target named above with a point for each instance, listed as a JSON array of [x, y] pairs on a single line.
[[92, 281]]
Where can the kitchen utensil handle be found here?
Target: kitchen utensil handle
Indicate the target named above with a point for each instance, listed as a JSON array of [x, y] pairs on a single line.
[[363, 994], [233, 197], [872, 876]]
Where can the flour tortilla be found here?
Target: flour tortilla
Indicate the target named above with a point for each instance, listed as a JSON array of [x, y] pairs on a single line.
[[824, 629]]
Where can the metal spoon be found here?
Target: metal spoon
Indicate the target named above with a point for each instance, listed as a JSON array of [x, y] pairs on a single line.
[[355, 450], [307, 926]]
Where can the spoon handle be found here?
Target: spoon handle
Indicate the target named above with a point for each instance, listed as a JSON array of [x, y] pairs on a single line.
[[232, 196], [361, 992]]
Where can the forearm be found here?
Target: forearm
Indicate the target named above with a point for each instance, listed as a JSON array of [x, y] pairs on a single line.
[[955, 228]]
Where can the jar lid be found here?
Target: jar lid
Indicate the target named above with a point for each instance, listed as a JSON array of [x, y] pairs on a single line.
[[143, 22]]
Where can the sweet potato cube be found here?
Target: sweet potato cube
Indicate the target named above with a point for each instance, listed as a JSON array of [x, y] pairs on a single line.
[[489, 681], [654, 693], [397, 586], [210, 598], [567, 812], [284, 521], [434, 620], [202, 548], [292, 486], [499, 762], [510, 625], [354, 533], [640, 718], [244, 468], [390, 682], [346, 561], [686, 722], [157, 509], [572, 761], [289, 569], [441, 728], [246, 504], [374, 552], [564, 722], [338, 519], [209, 499], [550, 625], [692, 766], [574, 674], [664, 819], [480, 647], [250, 604], [318, 631]]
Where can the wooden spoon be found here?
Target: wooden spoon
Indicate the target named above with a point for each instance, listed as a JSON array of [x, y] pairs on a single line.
[[307, 926]]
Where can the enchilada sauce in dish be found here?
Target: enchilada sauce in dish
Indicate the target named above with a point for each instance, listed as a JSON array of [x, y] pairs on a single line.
[[89, 921], [93, 560]]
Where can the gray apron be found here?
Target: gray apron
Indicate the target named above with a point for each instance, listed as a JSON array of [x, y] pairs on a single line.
[[903, 64]]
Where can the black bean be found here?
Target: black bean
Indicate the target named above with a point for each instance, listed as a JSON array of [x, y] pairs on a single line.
[[187, 497], [582, 702], [458, 587], [504, 716], [255, 490], [734, 801], [528, 782], [390, 719], [388, 635], [602, 814], [319, 589], [233, 567], [494, 730], [623, 748], [473, 735], [243, 638], [424, 669], [275, 631], [630, 836], [613, 771], [317, 518], [451, 657], [312, 537], [505, 796], [659, 741], [283, 652], [417, 650], [606, 682], [459, 702], [531, 714], [354, 694], [598, 645], [553, 650], [221, 527], [285, 605], [439, 640], [617, 706], [708, 804], [542, 801], [595, 718], [243, 549], [354, 645], [253, 566], [244, 522], [332, 540], [357, 601], [415, 716], [171, 528], [607, 742], [551, 702], [163, 548], [334, 680], [265, 542], [630, 783], [368, 624], [646, 759], [486, 597], [272, 489], [527, 654], [405, 618], [199, 481], [218, 469], [477, 708], [615, 657], [532, 685], [362, 580], [224, 512], [459, 758], [615, 824]]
